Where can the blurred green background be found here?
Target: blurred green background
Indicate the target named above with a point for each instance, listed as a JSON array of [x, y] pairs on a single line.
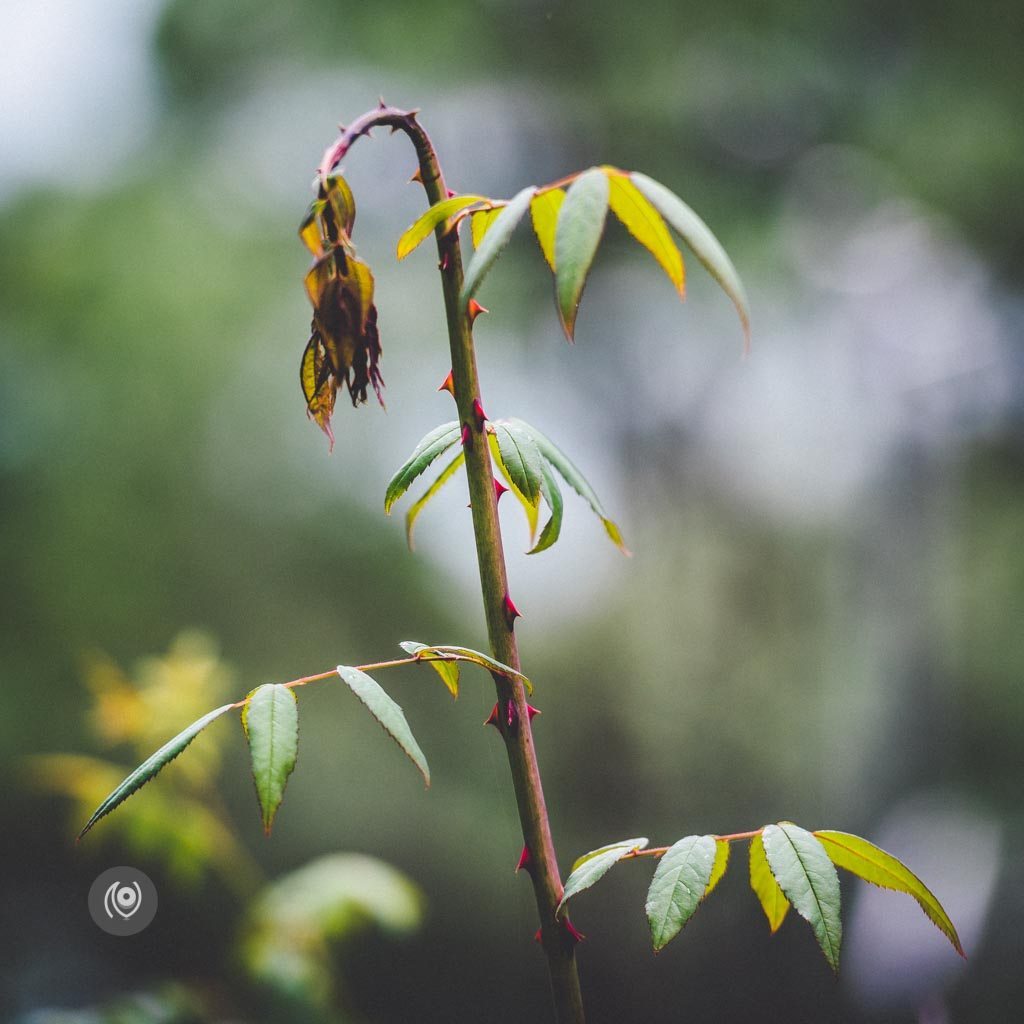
[[822, 618]]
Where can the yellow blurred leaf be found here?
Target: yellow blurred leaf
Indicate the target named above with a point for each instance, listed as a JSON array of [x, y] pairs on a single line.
[[544, 214]]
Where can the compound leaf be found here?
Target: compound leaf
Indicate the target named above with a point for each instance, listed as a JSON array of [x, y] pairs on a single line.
[[449, 652], [428, 221], [680, 883], [874, 865], [152, 766], [593, 866], [766, 889], [436, 443], [577, 234], [494, 241], [446, 474], [544, 214], [387, 712], [270, 718], [808, 879], [697, 235], [645, 224], [574, 478], [446, 668]]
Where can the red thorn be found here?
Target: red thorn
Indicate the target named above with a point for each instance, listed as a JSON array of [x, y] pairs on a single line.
[[417, 177], [531, 711], [525, 860], [444, 262], [474, 309], [382, 104], [536, 936], [449, 384], [467, 437], [573, 933], [479, 414], [511, 611], [499, 488], [451, 194], [492, 718]]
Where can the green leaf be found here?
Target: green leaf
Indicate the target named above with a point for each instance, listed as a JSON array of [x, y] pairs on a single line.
[[722, 849], [436, 443], [481, 220], [574, 478], [440, 211], [446, 474], [387, 712], [544, 214], [874, 865], [270, 718], [446, 668], [766, 889], [447, 651], [808, 880], [697, 235], [679, 884], [492, 244], [593, 866], [520, 458], [553, 496], [152, 765], [577, 234], [645, 224]]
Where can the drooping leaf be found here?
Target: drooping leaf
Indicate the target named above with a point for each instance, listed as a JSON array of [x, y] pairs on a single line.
[[874, 865], [446, 474], [553, 496], [387, 712], [317, 385], [766, 889], [436, 443], [808, 880], [270, 718], [152, 765], [593, 866], [530, 508], [341, 202], [447, 651], [428, 221], [722, 850], [575, 479], [577, 234], [446, 668], [481, 221], [697, 235], [544, 214], [680, 882], [492, 244], [520, 457], [309, 229], [645, 224]]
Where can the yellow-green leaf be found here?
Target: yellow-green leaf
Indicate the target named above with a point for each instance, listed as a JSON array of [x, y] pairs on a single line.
[[722, 849], [697, 235], [593, 866], [577, 235], [544, 214], [495, 241], [766, 889], [446, 667], [874, 865], [645, 224], [429, 221], [481, 220]]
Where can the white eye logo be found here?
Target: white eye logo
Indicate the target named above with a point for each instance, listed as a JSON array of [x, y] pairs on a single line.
[[124, 900]]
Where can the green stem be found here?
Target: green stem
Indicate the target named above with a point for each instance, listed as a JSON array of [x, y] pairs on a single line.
[[556, 939]]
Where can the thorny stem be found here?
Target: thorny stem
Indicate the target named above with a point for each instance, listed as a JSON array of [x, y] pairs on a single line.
[[514, 722]]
